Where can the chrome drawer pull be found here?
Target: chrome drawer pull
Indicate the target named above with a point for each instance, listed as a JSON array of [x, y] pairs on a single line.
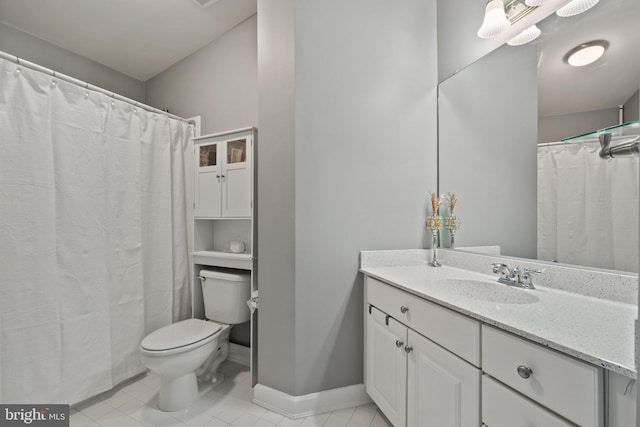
[[399, 343], [404, 309], [524, 371]]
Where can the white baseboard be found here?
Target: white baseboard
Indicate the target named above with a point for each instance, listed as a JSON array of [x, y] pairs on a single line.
[[310, 404], [239, 354]]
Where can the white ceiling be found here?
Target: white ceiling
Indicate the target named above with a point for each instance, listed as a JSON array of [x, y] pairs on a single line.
[[139, 38], [608, 82]]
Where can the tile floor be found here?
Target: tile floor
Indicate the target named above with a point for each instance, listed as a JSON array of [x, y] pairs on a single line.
[[135, 404]]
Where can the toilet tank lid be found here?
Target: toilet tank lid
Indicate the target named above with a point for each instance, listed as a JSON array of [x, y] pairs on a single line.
[[180, 334], [234, 277]]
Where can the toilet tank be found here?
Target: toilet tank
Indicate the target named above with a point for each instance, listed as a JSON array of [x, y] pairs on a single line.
[[225, 296]]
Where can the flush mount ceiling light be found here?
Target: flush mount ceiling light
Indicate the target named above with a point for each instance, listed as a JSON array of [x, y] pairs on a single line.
[[528, 35], [495, 20], [533, 3], [576, 7], [586, 53]]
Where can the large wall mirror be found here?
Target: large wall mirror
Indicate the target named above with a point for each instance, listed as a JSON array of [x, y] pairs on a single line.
[[501, 124]]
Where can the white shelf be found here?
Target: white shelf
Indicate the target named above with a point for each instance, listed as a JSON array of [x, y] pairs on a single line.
[[224, 259]]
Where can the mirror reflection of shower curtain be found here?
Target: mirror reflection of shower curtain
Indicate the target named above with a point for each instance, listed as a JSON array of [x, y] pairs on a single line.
[[587, 207], [93, 236]]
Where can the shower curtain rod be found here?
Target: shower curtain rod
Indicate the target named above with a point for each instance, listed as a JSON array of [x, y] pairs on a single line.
[[89, 86]]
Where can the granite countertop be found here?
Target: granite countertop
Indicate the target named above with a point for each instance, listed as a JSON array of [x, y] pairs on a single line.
[[598, 331]]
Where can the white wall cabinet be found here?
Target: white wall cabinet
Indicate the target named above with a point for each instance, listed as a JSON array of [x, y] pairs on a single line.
[[224, 212], [225, 186], [224, 175], [414, 381]]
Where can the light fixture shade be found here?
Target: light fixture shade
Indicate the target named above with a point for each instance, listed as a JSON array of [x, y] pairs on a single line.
[[576, 7], [528, 35], [586, 53], [533, 3], [495, 20]]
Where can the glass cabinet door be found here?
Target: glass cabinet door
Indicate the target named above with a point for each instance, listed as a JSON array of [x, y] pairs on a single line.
[[236, 151], [208, 155], [208, 181]]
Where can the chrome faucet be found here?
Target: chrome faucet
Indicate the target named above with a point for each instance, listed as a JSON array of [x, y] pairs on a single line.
[[516, 276]]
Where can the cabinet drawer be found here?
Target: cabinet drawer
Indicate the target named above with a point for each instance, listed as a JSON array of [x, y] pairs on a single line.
[[565, 385], [455, 332], [502, 407]]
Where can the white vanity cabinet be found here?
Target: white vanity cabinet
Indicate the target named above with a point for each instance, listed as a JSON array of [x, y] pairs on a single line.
[[427, 365], [621, 402], [569, 387], [503, 407], [386, 366], [415, 381]]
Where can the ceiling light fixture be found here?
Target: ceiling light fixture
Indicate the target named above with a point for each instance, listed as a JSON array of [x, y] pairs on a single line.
[[533, 3], [495, 20], [576, 7], [528, 35], [586, 53]]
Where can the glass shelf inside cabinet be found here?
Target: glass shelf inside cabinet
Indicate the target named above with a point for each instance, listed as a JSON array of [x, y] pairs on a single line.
[[618, 133]]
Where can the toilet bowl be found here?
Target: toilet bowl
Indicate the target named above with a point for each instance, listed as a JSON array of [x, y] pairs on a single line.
[[176, 351], [186, 354]]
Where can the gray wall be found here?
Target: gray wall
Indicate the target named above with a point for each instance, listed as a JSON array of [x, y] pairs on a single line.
[[457, 35], [276, 196], [632, 108], [218, 82], [488, 135], [364, 115], [555, 128], [36, 50]]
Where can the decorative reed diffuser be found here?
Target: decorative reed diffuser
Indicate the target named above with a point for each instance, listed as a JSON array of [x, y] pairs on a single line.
[[451, 221], [434, 222]]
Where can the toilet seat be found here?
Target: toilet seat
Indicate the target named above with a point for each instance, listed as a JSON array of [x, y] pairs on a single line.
[[180, 336]]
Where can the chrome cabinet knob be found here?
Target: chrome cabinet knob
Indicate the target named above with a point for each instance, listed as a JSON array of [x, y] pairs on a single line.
[[408, 349], [524, 371], [399, 343], [404, 309]]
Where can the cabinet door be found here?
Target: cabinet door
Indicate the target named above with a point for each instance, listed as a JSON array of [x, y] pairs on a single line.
[[386, 365], [442, 389], [621, 401], [237, 178], [208, 179]]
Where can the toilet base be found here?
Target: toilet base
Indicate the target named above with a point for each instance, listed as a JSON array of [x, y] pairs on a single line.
[[180, 392], [177, 392]]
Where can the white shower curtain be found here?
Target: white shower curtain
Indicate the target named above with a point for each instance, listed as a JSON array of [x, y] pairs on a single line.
[[93, 236], [587, 207]]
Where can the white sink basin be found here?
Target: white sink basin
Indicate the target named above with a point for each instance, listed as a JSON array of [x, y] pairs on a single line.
[[489, 291]]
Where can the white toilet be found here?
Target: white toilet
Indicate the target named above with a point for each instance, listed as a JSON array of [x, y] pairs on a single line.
[[191, 350]]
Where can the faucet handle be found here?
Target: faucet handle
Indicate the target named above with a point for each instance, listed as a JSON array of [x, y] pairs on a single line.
[[527, 278], [497, 266]]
